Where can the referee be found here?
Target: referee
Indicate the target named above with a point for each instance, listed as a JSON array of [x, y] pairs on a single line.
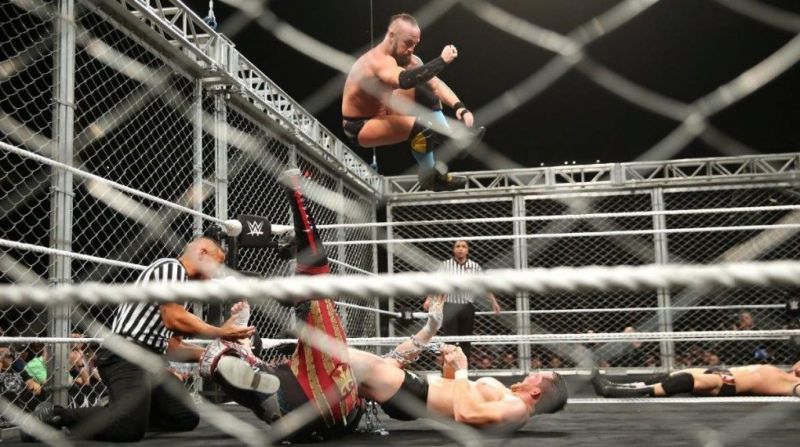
[[459, 308], [137, 402]]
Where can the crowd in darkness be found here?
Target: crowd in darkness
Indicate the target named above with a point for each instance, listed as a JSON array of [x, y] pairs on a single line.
[[24, 374], [86, 389], [24, 371], [637, 354]]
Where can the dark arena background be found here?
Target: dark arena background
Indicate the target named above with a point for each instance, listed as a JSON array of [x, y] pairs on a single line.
[[634, 204]]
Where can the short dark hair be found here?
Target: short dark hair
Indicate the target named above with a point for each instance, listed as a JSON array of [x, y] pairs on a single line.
[[36, 348], [404, 16], [460, 240], [453, 247], [215, 241], [215, 233], [554, 395]]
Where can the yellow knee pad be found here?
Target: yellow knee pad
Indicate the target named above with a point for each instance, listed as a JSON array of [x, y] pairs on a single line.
[[419, 143]]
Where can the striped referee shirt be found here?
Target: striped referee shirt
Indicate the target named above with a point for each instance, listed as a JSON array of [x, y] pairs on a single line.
[[452, 267], [141, 322]]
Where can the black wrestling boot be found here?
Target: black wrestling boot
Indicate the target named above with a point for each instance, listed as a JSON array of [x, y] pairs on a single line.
[[605, 388], [309, 251], [439, 179], [597, 382], [611, 389], [286, 246], [449, 182], [426, 178]]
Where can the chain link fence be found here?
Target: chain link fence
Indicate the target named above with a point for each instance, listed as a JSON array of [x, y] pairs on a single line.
[[489, 254], [634, 227], [100, 94]]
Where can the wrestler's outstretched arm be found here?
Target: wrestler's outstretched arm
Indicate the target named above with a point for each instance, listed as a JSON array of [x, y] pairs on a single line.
[[180, 351], [387, 70], [450, 99], [408, 351], [379, 378]]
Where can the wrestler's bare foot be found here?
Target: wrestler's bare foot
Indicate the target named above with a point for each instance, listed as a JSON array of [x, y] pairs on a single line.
[[240, 312]]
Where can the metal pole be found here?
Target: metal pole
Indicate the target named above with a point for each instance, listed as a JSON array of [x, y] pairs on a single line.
[[374, 235], [341, 252], [197, 168], [215, 314], [522, 300], [390, 264], [292, 163], [61, 203], [197, 191], [663, 295], [215, 311], [221, 155]]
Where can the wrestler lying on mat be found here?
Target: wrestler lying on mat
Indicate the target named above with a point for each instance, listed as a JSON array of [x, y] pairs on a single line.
[[753, 380], [484, 403]]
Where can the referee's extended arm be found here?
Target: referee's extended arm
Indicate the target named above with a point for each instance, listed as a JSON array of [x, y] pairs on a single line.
[[177, 319]]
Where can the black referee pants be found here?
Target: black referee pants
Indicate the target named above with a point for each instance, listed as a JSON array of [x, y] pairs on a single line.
[[136, 404], [459, 319]]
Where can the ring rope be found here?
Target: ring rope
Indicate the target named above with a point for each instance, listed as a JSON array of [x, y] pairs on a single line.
[[539, 280], [69, 254], [351, 267], [54, 340], [80, 173], [106, 261], [740, 209], [569, 235], [601, 337], [419, 315], [561, 338], [632, 309], [682, 400]]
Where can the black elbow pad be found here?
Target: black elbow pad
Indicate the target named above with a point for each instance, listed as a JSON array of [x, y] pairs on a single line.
[[423, 73]]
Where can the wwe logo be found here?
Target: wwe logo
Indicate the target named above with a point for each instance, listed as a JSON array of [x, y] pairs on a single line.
[[255, 228]]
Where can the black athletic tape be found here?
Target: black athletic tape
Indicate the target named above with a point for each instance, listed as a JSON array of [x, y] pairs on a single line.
[[424, 73]]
